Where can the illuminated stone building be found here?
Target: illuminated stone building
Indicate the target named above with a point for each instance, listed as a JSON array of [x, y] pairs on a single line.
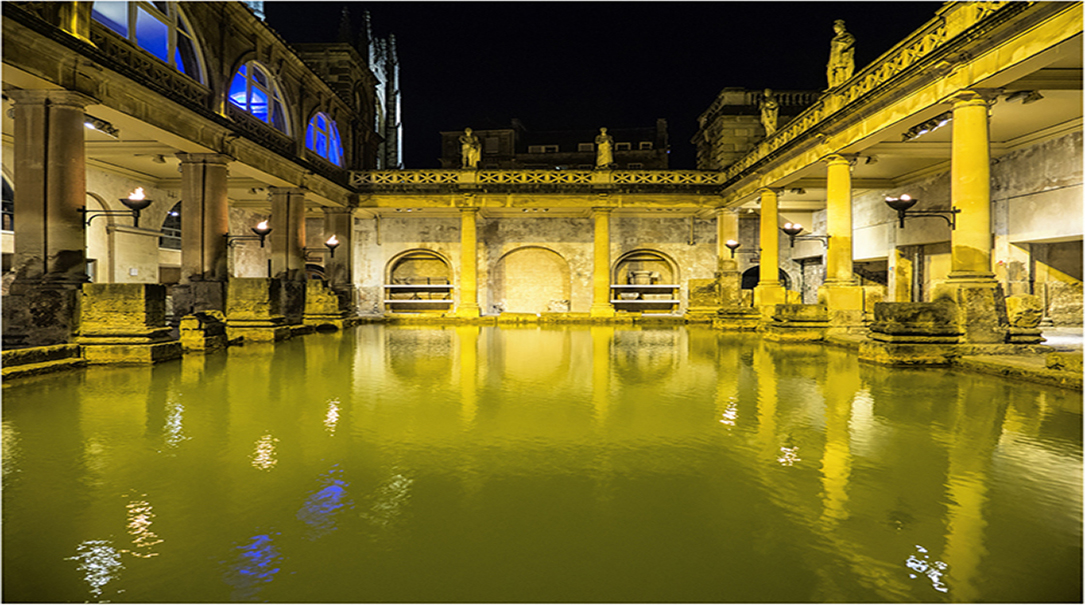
[[731, 125], [517, 147], [977, 113]]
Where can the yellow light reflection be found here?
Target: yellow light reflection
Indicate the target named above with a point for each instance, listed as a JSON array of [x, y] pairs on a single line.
[[99, 562], [174, 428], [331, 419], [730, 413], [789, 456], [922, 565], [264, 456], [9, 447], [140, 513]]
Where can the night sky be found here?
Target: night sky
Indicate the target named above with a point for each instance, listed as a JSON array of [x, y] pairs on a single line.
[[574, 65]]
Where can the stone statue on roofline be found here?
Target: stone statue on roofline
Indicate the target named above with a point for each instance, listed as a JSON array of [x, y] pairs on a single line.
[[770, 112], [604, 149], [470, 149], [841, 55]]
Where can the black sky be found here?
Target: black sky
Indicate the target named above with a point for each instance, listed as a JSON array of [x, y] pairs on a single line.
[[572, 65]]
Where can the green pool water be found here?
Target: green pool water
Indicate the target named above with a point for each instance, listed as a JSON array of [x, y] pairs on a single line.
[[585, 464]]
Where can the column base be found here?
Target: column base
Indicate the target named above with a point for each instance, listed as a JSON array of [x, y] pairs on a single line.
[[467, 311], [844, 302], [981, 307], [602, 311]]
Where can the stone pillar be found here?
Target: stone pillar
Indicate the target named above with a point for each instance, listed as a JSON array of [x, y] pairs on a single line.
[[205, 221], [600, 300], [730, 279], [50, 187], [340, 268], [841, 293], [468, 264], [287, 233], [901, 274], [971, 282], [769, 291]]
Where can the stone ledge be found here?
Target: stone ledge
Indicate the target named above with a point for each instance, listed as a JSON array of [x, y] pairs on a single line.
[[1019, 368], [132, 354], [36, 355]]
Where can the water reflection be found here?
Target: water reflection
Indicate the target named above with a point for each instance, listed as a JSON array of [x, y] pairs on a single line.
[[331, 418], [9, 449], [320, 508], [174, 426], [99, 563], [388, 500], [255, 566], [140, 514], [264, 457], [923, 566]]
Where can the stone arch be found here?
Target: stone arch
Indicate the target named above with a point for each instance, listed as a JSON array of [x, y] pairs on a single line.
[[752, 276], [645, 260], [418, 264], [97, 244], [531, 279]]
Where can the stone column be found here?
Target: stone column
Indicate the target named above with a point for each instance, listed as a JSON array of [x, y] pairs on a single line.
[[340, 269], [981, 305], [205, 216], [769, 291], [970, 190], [730, 279], [901, 274], [600, 300], [468, 264], [288, 249], [841, 293], [50, 187], [287, 233]]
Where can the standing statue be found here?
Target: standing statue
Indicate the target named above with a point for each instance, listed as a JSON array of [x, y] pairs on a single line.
[[470, 149], [770, 112], [841, 55], [604, 149]]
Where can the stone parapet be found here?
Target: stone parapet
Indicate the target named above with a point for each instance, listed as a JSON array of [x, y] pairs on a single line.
[[735, 318]]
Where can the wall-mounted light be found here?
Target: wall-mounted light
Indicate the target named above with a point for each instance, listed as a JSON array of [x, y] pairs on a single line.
[[926, 127], [135, 202], [261, 230], [732, 245], [793, 231], [329, 247], [93, 123], [903, 206]]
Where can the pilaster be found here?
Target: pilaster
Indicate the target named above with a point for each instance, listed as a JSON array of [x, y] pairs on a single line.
[[468, 306], [769, 291], [600, 302]]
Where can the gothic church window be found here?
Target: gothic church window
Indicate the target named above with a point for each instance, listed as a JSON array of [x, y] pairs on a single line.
[[254, 90], [323, 138], [159, 28]]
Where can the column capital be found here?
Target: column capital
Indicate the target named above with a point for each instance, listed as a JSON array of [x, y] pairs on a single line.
[[53, 97], [598, 210], [469, 210], [839, 158], [203, 158], [973, 96], [763, 191]]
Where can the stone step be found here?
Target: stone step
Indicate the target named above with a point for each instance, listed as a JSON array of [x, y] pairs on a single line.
[[41, 360]]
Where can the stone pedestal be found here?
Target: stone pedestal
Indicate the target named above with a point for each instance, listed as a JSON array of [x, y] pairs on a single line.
[[40, 314], [1024, 313], [845, 304], [198, 296], [325, 307], [981, 309], [797, 323], [704, 300], [736, 318], [125, 324], [912, 334], [204, 331], [254, 310]]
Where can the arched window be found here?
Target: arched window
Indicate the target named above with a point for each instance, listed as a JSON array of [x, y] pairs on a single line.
[[159, 28], [171, 229], [254, 90], [323, 138]]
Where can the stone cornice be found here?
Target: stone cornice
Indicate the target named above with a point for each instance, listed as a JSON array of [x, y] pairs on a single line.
[[701, 182]]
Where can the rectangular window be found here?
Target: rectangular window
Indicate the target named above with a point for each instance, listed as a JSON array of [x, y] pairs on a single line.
[[535, 149], [551, 149], [113, 15], [645, 145], [493, 145], [585, 147], [623, 146], [152, 35], [258, 104]]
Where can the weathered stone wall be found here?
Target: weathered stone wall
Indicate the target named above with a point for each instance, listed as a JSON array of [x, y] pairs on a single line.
[[247, 258]]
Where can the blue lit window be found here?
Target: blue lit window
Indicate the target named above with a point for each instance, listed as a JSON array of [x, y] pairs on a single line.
[[254, 90], [158, 28], [323, 138]]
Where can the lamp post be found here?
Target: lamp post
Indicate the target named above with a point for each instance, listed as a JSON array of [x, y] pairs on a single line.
[[329, 247], [904, 203], [261, 230], [135, 202], [793, 231], [732, 245]]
